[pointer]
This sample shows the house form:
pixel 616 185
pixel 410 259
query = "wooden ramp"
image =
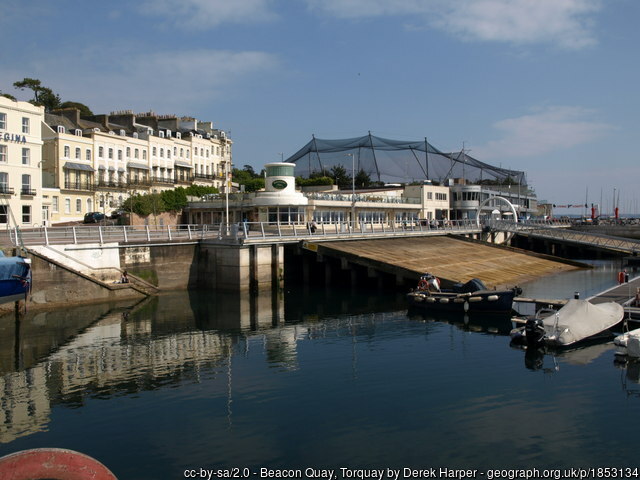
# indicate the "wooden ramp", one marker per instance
pixel 450 259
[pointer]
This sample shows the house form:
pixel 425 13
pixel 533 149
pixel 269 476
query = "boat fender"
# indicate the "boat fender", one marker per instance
pixel 475 299
pixel 418 298
pixel 458 300
pixel 444 300
pixel 492 298
pixel 466 306
pixel 58 463
pixel 430 299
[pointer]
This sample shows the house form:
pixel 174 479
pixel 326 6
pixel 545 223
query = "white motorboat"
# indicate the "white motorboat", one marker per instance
pixel 578 320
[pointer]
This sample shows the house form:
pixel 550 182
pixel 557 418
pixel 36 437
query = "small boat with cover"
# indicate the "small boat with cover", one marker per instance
pixel 576 321
pixel 15 278
pixel 470 297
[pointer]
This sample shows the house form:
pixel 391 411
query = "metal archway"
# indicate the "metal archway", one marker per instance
pixel 502 199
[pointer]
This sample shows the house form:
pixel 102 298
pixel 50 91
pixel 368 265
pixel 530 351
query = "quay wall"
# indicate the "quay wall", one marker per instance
pixel 217 267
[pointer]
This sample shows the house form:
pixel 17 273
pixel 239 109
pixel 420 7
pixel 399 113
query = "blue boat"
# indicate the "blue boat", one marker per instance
pixel 15 278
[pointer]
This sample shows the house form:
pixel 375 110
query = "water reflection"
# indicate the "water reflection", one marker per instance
pixel 121 349
pixel 301 377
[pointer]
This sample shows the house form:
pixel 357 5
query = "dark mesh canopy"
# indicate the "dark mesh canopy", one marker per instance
pixel 396 161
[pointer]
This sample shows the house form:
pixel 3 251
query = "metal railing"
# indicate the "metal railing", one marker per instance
pixel 547 231
pixel 236 233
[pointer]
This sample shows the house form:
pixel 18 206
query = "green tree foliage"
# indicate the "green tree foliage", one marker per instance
pixel 174 200
pixel 363 180
pixel 308 182
pixel 42 95
pixel 200 190
pixel 7 95
pixel 84 110
pixel 249 178
pixel 167 201
pixel 340 176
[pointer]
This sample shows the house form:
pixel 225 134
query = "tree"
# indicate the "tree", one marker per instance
pixel 7 95
pixel 42 96
pixel 363 179
pixel 340 176
pixel 84 110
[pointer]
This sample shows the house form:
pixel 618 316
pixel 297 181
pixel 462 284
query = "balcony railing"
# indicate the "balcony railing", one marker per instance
pixel 162 180
pixel 144 182
pixel 87 186
pixel 27 191
pixel 4 190
pixel 184 180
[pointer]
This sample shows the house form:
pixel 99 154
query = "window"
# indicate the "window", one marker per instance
pixel 429 195
pixel 78 206
pixel 3 121
pixel 26 214
pixel 3 154
pixel 88 156
pixel 55 203
pixel 128 152
pixel 182 152
pixel 67 205
pixel 119 154
pixel 25 125
pixel 4 214
pixel 168 153
pixel 144 154
pixel 154 152
pixel 26 156
pixel 111 153
pixel 4 181
pixel 67 151
pixel 136 153
pixel 78 153
pixel 26 184
pixel 161 152
pixel 175 151
pixel 100 152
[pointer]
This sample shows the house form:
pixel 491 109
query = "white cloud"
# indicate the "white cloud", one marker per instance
pixel 166 82
pixel 547 130
pixel 203 14
pixel 566 23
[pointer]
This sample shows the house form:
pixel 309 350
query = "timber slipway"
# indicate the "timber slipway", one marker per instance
pixel 455 251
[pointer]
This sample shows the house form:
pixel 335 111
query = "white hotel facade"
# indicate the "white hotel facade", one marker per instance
pixel 20 163
pixel 56 167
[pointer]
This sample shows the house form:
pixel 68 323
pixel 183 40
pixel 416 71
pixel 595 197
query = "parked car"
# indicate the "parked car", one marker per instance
pixel 117 213
pixel 93 217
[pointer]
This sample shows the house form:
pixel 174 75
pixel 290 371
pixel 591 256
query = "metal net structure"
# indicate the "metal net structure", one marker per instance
pixel 397 161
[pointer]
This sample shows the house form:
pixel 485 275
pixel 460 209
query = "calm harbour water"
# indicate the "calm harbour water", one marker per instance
pixel 311 378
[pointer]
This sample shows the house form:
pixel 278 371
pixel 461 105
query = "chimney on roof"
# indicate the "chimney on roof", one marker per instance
pixel 148 119
pixel 72 114
pixel 125 118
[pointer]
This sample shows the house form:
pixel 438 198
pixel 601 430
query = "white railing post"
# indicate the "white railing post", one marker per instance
pixel 148 233
pixel 169 231
pixel 189 231
pixel 262 229
pixel 100 235
pixel 46 236
pixel 75 236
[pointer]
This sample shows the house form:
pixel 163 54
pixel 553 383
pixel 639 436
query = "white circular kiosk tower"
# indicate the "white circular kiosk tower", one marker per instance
pixel 280 202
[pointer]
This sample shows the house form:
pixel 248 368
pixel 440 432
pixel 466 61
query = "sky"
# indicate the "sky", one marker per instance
pixel 549 87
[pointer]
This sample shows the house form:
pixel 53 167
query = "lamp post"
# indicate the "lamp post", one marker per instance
pixel 353 187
